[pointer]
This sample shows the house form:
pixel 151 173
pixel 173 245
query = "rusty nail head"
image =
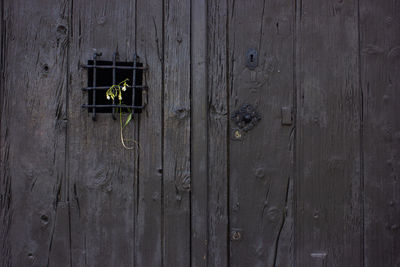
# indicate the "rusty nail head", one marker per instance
pixel 236 235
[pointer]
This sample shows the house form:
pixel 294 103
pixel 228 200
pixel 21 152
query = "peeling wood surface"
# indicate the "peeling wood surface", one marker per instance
pixel 314 183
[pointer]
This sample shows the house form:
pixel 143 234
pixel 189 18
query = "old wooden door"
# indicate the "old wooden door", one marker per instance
pixel 270 135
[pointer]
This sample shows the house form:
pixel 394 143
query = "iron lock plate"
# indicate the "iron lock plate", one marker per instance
pixel 246 117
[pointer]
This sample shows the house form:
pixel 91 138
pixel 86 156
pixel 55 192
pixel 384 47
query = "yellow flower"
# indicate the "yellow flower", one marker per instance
pixel 124 88
pixel 108 97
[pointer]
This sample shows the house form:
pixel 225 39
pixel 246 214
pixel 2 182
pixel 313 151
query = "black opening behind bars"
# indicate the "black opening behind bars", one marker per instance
pixel 103 74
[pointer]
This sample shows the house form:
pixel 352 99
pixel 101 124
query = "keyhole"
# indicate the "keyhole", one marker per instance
pixel 251 59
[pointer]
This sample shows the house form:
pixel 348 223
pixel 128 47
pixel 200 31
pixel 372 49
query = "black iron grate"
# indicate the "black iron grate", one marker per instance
pixel 103 74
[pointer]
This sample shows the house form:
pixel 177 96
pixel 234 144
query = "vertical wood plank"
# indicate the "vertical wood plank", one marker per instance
pixel 102 172
pixel 5 182
pixel 380 68
pixel 199 204
pixel 176 159
pixel 328 215
pixel 218 136
pixel 261 159
pixel 149 214
pixel 33 134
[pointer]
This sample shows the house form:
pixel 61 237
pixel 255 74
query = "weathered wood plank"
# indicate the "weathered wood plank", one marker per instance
pixel 102 172
pixel 199 148
pixel 176 154
pixel 149 214
pixel 33 133
pixel 261 159
pixel 328 215
pixel 218 136
pixel 5 181
pixel 380 68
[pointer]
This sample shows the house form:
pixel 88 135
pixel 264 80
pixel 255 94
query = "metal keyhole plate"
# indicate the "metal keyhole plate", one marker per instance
pixel 252 59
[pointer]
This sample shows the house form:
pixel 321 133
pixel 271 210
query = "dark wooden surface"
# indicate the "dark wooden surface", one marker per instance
pixel 199 130
pixel 260 161
pixel 328 171
pixel 149 43
pixel 102 175
pixel 315 183
pixel 380 83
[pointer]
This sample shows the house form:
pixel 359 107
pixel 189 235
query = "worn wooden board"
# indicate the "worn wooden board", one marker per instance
pixel 33 133
pixel 261 159
pixel 218 135
pixel 102 173
pixel 199 131
pixel 5 179
pixel 328 206
pixel 380 68
pixel 176 139
pixel 148 249
pixel 325 86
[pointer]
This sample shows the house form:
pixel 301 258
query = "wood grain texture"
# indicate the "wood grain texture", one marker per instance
pixel 199 149
pixel 5 181
pixel 380 68
pixel 261 160
pixel 149 211
pixel 218 137
pixel 315 183
pixel 102 173
pixel 328 207
pixel 176 153
pixel 33 133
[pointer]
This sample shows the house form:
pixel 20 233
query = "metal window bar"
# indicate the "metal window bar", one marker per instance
pixel 94 85
pixel 114 67
pixel 110 67
pixel 106 87
pixel 134 79
pixel 114 82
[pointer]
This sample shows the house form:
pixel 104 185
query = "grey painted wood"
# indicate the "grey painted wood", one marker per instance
pixel 149 211
pixel 328 206
pixel 33 133
pixel 218 137
pixel 199 145
pixel 102 173
pixel 380 68
pixel 176 139
pixel 261 159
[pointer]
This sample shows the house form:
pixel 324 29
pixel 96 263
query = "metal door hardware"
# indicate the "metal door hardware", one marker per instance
pixel 246 117
pixel 104 74
pixel 252 59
